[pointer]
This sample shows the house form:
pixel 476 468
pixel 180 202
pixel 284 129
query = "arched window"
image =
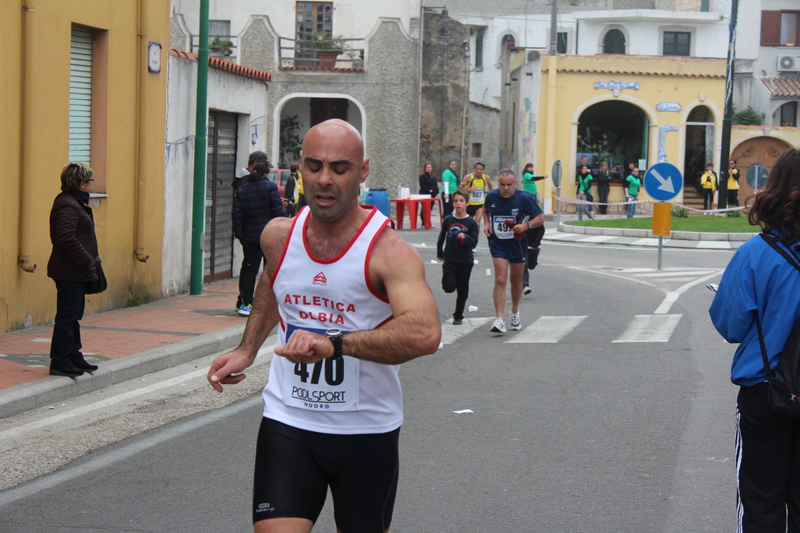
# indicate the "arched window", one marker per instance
pixel 614 42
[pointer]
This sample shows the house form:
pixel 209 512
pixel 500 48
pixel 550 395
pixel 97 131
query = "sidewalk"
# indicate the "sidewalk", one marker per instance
pixel 132 342
pixel 125 343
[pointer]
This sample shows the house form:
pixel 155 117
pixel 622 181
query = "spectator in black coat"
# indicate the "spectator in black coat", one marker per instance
pixel 73 263
pixel 257 201
pixel 427 185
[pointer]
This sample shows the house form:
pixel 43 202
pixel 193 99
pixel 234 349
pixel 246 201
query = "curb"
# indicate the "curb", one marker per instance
pixel 27 396
pixel 648 234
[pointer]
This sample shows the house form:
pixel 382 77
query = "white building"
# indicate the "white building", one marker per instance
pixel 768 60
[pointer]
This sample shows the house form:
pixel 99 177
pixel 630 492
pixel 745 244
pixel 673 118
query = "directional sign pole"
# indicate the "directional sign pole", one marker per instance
pixel 662 182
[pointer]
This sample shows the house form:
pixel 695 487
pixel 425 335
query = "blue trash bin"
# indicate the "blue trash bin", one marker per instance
pixel 380 199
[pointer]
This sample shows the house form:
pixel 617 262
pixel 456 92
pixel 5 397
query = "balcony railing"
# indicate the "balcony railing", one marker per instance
pixel 330 53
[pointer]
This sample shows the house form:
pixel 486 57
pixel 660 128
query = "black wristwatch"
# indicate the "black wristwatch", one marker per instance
pixel 336 336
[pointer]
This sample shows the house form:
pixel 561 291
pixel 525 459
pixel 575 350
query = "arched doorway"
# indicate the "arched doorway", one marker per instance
pixel 764 150
pixel 295 114
pixel 699 146
pixel 614 131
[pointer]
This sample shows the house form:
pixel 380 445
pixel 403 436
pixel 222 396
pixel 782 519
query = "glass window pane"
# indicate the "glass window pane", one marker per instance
pixel 299 17
pixel 328 8
pixel 319 17
pixel 789 29
pixel 327 18
pixel 309 17
pixel 328 28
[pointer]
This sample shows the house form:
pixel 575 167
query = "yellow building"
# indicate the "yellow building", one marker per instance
pixel 82 80
pixel 624 109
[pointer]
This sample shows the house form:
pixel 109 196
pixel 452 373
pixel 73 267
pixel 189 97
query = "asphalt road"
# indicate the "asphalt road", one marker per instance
pixel 606 429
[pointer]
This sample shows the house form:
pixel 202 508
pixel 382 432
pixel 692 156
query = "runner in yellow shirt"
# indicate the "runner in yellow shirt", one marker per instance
pixel 478 184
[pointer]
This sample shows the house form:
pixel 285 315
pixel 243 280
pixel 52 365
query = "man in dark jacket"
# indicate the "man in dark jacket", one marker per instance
pixel 73 263
pixel 257 201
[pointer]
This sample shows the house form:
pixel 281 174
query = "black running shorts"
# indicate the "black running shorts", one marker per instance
pixel 472 210
pixel 295 467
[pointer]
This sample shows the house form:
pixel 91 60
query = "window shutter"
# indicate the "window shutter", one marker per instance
pixel 80 96
pixel 770 28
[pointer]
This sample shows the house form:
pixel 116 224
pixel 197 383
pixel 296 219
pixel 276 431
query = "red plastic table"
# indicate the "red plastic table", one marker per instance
pixel 427 207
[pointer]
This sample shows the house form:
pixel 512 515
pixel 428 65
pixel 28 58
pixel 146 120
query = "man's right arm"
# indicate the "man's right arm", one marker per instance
pixel 226 369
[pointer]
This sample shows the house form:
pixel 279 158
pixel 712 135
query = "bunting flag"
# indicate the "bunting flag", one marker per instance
pixel 187 145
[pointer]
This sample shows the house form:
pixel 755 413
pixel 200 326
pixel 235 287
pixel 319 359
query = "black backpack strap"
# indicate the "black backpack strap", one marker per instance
pixel 790 257
pixel 767 369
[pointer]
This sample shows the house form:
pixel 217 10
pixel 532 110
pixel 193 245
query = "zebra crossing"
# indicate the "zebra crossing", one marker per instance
pixel 553 329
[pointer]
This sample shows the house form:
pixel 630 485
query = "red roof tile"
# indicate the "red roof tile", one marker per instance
pixel 221 64
pixel 782 87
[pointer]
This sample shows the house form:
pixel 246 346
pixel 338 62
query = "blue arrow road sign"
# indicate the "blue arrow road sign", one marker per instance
pixel 663 181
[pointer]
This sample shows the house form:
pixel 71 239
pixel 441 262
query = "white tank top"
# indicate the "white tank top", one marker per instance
pixel 348 396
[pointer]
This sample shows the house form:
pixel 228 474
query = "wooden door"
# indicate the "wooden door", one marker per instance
pixel 764 150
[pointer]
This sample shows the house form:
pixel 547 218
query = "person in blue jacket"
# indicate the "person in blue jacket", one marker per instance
pixel 758 279
pixel 257 201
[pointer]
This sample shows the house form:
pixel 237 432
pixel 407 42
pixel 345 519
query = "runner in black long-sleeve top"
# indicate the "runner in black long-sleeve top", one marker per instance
pixel 458 237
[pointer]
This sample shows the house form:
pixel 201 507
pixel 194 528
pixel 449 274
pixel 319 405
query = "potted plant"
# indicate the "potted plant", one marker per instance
pixel 218 46
pixel 327 48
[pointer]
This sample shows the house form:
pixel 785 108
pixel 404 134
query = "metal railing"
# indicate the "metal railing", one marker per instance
pixel 329 53
pixel 222 46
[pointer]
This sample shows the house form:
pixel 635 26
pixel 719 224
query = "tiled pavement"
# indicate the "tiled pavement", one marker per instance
pixel 24 354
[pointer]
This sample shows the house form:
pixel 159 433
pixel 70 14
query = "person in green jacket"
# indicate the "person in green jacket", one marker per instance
pixel 450 183
pixel 634 183
pixel 529 181
pixel 584 192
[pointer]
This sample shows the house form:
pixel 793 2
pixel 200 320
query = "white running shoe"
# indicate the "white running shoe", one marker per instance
pixel 515 322
pixel 499 325
pixel 526 290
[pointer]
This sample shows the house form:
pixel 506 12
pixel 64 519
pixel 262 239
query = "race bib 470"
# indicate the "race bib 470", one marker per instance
pixel 327 385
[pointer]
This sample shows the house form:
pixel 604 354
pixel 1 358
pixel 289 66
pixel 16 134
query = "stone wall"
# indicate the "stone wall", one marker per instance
pixel 386 89
pixel 445 94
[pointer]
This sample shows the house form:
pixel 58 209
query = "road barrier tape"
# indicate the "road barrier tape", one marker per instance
pixel 674 204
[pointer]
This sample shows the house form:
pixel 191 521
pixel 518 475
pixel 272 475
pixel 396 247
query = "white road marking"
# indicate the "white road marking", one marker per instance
pixel 80 411
pixel 672 297
pixel 547 329
pixel 647 242
pixel 650 328
pixel 451 333
pixel 597 238
pixel 718 245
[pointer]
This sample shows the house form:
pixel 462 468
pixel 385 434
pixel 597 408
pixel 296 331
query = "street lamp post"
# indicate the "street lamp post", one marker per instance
pixel 725 144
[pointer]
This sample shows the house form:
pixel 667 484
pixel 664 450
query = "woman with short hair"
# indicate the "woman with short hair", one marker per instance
pixel 73 263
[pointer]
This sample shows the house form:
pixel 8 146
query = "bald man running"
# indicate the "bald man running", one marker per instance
pixel 350 299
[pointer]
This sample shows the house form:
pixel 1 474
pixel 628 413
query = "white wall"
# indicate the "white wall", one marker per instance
pixel 351 18
pixel 532 31
pixel 226 92
pixel 646 38
pixel 709 39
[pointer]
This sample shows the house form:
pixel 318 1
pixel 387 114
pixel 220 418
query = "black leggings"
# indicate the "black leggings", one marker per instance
pixel 251 263
pixel 455 277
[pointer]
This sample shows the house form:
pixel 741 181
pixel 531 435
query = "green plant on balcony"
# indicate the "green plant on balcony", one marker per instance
pixel 218 46
pixel 322 42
